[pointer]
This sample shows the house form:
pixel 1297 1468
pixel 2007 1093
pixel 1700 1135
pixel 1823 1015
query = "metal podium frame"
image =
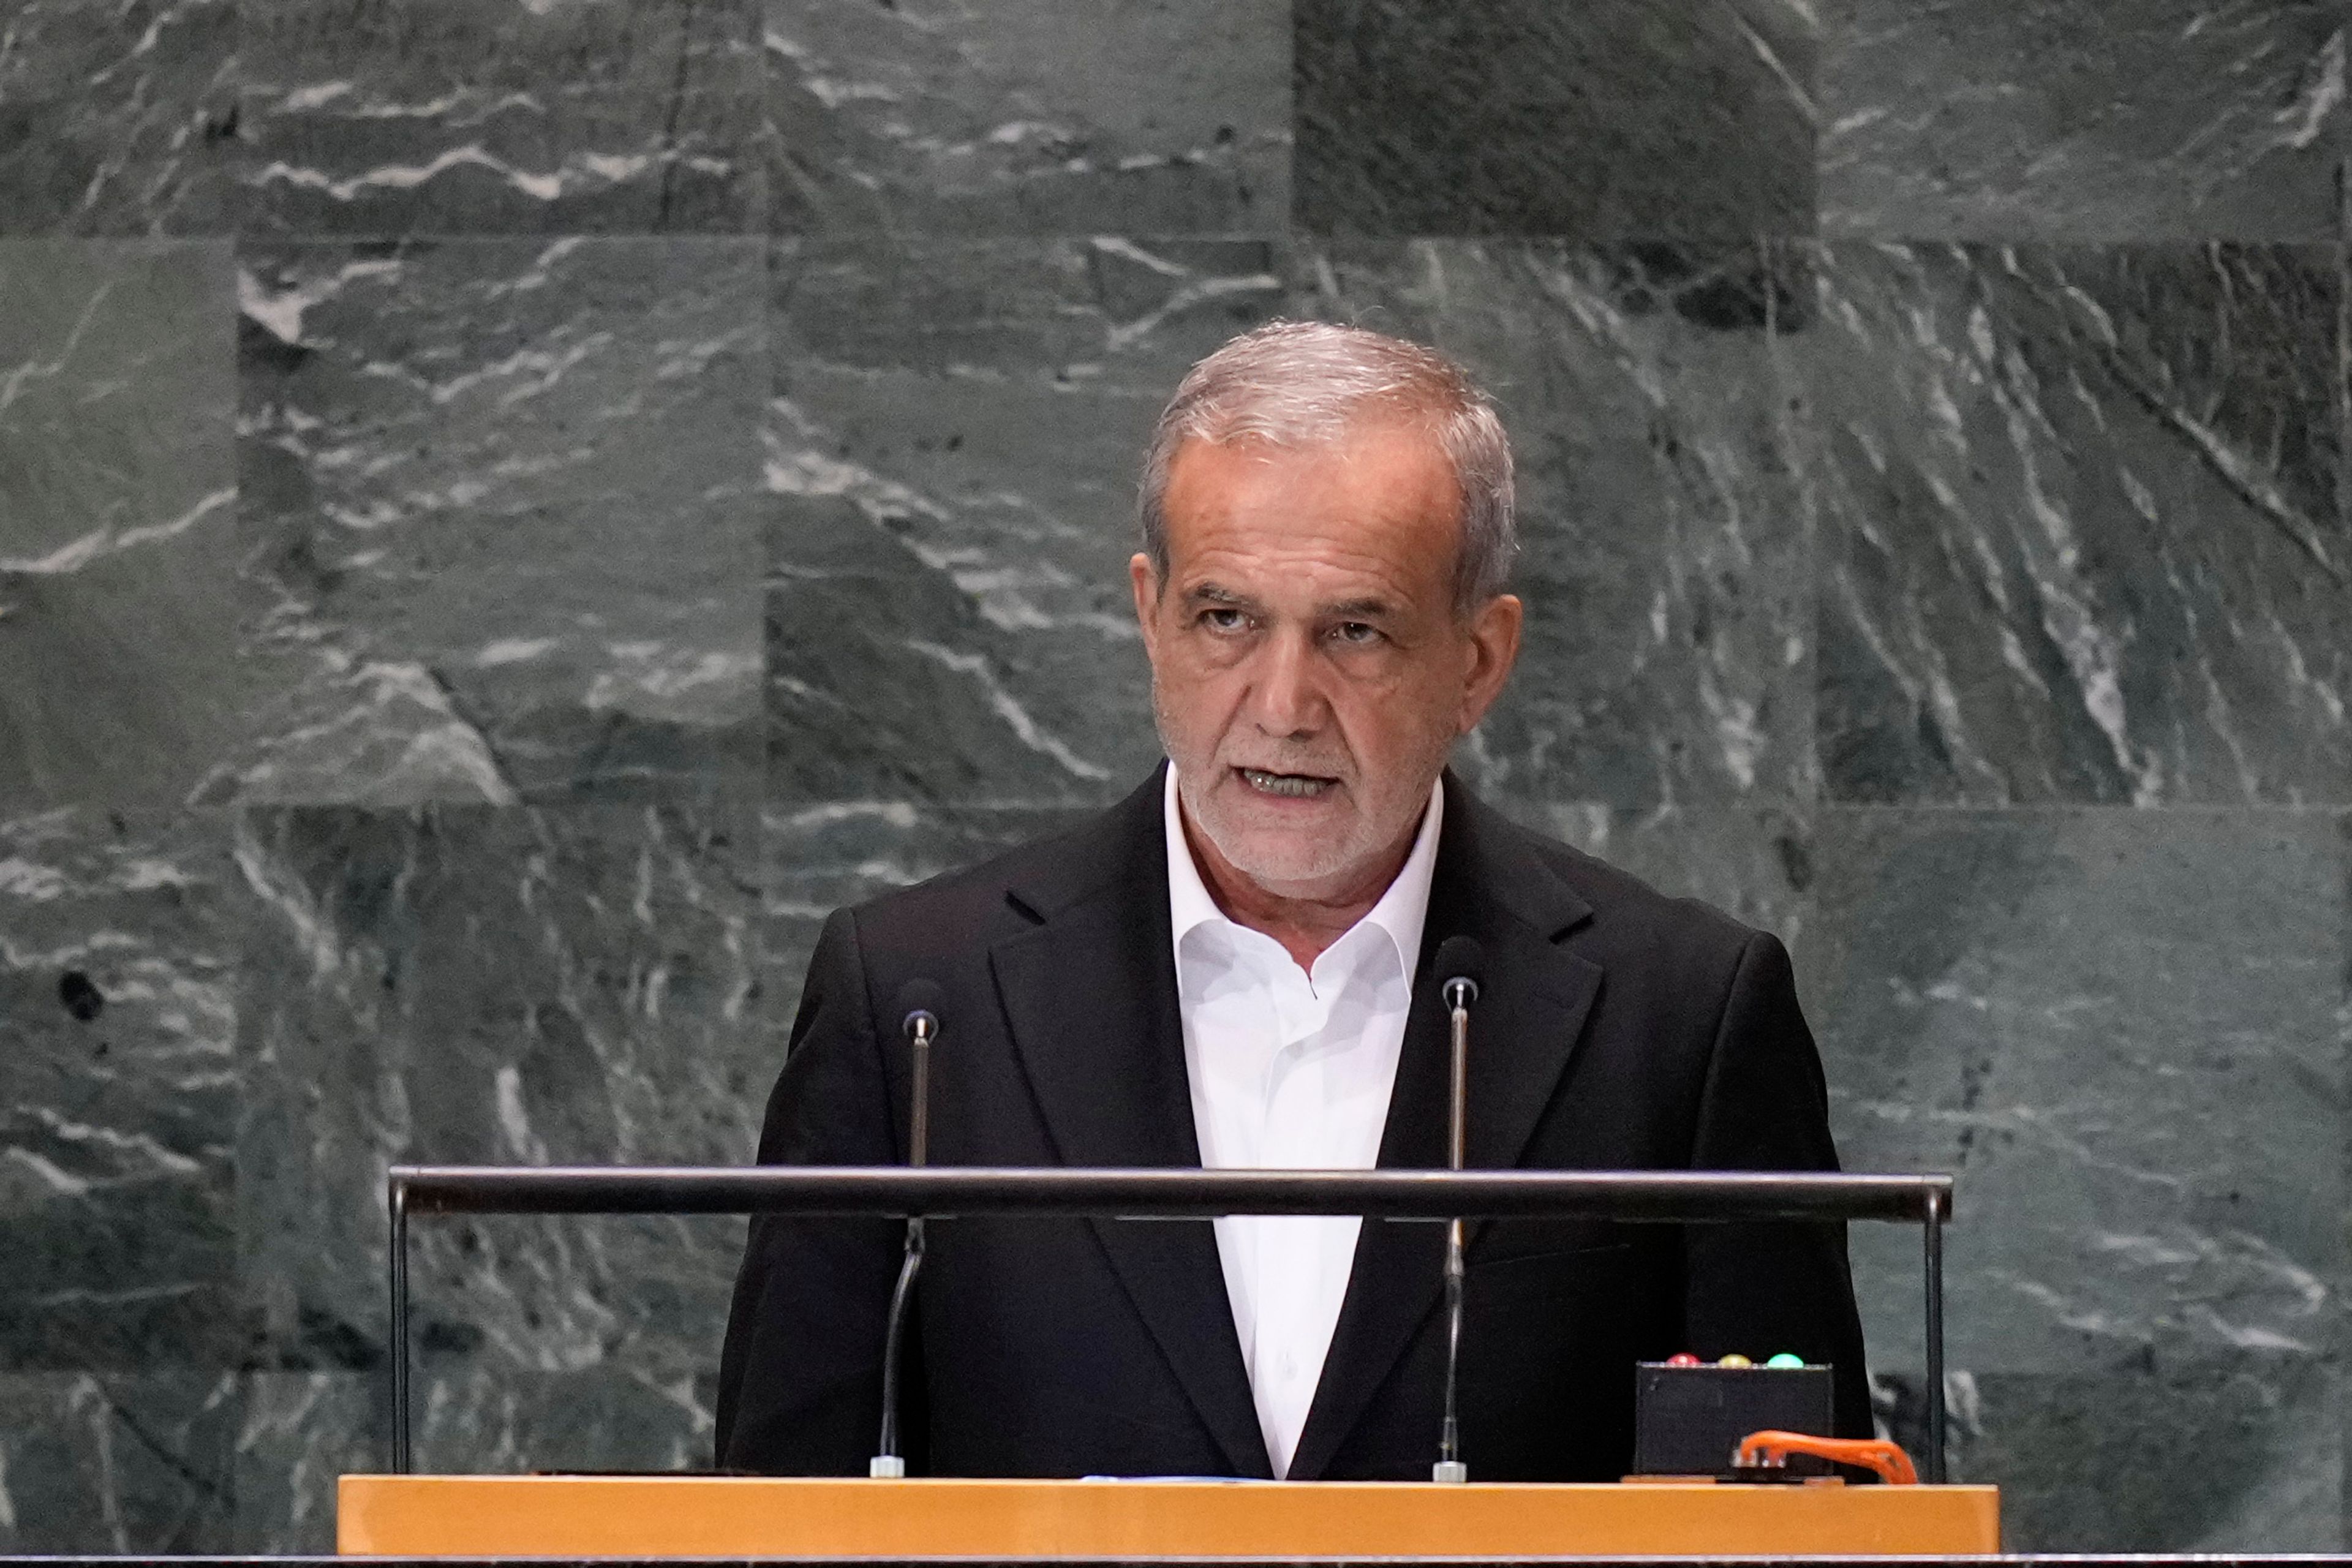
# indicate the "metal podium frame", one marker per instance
pixel 1168 1192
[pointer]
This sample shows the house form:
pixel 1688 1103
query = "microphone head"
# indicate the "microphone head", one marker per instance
pixel 1460 965
pixel 919 1005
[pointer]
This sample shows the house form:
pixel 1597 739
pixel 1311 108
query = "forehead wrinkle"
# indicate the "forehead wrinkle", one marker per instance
pixel 1359 522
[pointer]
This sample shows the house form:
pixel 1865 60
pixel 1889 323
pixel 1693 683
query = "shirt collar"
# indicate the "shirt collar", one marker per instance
pixel 1402 911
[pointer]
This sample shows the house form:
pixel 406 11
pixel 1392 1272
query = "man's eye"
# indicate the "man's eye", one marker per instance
pixel 1357 633
pixel 1224 620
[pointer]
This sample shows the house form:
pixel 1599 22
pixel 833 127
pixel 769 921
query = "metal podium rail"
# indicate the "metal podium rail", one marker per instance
pixel 1164 1192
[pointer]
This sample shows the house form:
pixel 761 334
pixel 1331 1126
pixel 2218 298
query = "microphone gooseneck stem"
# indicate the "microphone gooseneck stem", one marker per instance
pixel 888 1463
pixel 1450 1468
pixel 918 1117
pixel 1457 1103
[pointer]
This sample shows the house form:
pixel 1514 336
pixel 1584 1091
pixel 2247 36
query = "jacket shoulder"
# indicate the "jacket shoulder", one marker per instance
pixel 1627 908
pixel 1061 862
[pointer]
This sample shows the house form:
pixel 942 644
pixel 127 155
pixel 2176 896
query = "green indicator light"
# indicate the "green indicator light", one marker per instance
pixel 1785 1359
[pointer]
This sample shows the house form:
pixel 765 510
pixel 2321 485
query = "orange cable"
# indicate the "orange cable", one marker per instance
pixel 1893 1465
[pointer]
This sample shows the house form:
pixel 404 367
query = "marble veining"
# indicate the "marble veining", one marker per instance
pixel 2130 120
pixel 118 511
pixel 471 984
pixel 119 1462
pixel 298 1432
pixel 428 116
pixel 117 119
pixel 1756 864
pixel 497 502
pixel 2145 1121
pixel 2080 525
pixel 949 117
pixel 956 431
pixel 819 858
pixel 1663 566
pixel 1661 119
pixel 117 962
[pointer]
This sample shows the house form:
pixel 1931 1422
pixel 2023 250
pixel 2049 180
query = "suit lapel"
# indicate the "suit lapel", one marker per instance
pixel 1523 1030
pixel 1091 996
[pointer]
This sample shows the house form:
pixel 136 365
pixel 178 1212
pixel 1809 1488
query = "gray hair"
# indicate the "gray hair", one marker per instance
pixel 1305 384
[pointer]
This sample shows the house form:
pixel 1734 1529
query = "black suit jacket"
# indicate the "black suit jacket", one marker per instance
pixel 1617 1030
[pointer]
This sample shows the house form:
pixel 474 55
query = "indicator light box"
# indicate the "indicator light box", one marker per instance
pixel 1687 1419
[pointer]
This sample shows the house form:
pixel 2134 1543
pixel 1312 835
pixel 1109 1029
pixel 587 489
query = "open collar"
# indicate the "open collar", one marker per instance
pixel 1089 996
pixel 1400 913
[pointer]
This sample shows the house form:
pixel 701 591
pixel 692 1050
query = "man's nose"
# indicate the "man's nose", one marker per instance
pixel 1287 697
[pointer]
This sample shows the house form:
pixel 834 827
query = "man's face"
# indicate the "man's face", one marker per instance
pixel 1308 670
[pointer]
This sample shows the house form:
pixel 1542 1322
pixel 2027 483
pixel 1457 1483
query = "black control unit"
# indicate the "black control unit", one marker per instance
pixel 1688 1420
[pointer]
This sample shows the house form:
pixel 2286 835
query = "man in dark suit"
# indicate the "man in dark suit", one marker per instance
pixel 1232 967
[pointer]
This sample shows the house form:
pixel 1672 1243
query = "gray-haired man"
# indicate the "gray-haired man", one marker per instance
pixel 1231 968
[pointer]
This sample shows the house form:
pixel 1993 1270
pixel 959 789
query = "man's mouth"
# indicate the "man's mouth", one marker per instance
pixel 1289 785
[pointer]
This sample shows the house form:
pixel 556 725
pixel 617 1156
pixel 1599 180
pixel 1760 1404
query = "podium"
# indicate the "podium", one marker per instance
pixel 721 1518
pixel 714 1517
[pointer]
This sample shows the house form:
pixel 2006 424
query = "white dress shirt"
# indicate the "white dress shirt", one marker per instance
pixel 1290 1070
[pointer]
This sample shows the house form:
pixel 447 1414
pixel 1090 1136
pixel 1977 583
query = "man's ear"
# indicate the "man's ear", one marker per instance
pixel 1145 579
pixel 1494 649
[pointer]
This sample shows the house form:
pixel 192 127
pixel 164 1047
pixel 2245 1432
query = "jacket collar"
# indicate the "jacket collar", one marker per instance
pixel 1089 995
pixel 1492 885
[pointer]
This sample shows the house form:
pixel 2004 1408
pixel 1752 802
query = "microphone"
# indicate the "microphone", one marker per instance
pixel 1460 961
pixel 919 1002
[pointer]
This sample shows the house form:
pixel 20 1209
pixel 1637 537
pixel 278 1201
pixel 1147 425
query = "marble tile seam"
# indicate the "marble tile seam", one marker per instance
pixel 1824 234
pixel 2118 810
pixel 945 237
pixel 814 810
pixel 274 237
pixel 1809 243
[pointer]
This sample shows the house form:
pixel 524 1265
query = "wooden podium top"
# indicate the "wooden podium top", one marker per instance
pixel 725 1516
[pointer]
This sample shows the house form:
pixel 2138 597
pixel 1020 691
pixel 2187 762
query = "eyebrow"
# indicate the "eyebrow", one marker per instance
pixel 1217 594
pixel 1365 608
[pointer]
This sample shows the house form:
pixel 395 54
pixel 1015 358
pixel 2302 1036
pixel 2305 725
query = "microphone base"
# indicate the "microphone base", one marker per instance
pixel 886 1467
pixel 1445 1472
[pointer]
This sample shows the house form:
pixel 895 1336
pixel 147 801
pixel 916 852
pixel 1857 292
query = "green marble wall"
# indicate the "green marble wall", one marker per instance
pixel 509 513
